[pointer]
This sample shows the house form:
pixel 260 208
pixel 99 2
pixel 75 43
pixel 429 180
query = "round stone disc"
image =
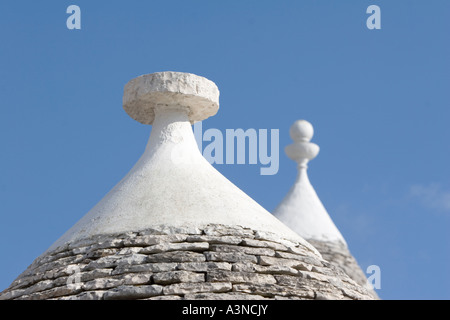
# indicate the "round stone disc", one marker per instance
pixel 198 95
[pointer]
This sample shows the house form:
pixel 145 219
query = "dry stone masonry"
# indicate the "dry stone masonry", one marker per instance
pixel 216 263
pixel 338 254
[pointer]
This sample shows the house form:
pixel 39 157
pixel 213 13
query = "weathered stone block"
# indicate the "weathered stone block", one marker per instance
pixel 148 267
pixel 276 269
pixel 243 267
pixel 229 257
pixel 328 296
pixel 239 277
pixel 102 263
pixel 102 283
pixel 133 292
pixel 271 291
pixel 177 256
pixel 298 250
pixel 203 266
pixel 129 251
pixel 186 288
pixel 220 230
pixel 52 293
pixel 40 286
pixel 81 250
pixel 246 250
pixel 223 296
pixel 167 247
pixel 57 256
pixel 263 244
pixel 99 253
pixel 135 278
pixel 89 295
pixel 12 294
pixel 178 276
pixel 280 262
pixel 109 243
pixel 165 298
pixel 354 294
pixel 306 259
pixel 152 239
pixel 58 264
pixel 313 276
pixel 135 258
pixel 168 230
pixel 215 239
pixel 289 281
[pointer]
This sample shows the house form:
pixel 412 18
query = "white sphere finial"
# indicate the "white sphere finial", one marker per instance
pixel 302 150
pixel 301 131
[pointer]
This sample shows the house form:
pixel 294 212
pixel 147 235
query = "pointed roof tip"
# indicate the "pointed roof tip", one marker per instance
pixel 172 184
pixel 301 209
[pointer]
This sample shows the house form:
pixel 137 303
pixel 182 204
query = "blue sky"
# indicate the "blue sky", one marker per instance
pixel 378 99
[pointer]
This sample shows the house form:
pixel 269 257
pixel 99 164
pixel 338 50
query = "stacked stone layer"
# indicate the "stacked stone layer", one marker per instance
pixel 338 254
pixel 217 262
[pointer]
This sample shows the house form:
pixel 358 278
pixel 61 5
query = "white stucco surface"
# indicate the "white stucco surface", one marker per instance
pixel 172 184
pixel 301 209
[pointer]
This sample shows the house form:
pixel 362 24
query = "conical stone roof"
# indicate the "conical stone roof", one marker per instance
pixel 303 211
pixel 175 228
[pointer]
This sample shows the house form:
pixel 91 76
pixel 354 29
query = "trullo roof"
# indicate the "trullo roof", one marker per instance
pixel 175 228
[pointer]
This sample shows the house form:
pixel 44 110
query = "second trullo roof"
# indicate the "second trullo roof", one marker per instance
pixel 303 211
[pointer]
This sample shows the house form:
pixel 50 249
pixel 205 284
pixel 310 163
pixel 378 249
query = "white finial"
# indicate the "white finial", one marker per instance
pixel 171 102
pixel 198 97
pixel 302 150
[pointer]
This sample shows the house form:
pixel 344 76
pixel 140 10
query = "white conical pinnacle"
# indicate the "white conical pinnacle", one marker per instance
pixel 301 209
pixel 172 184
